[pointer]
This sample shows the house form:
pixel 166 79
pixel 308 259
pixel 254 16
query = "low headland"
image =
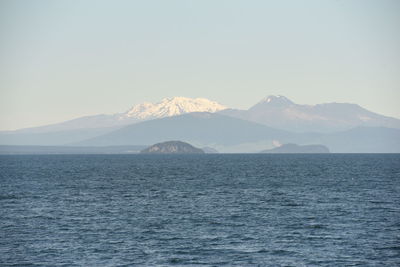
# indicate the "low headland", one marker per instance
pixel 294 148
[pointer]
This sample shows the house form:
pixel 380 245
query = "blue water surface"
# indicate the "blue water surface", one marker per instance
pixel 200 210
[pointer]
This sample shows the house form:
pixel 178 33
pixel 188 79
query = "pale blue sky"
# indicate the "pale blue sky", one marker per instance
pixel 64 59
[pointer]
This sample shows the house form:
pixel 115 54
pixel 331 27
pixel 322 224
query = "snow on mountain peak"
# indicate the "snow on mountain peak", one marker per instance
pixel 279 98
pixel 276 101
pixel 172 106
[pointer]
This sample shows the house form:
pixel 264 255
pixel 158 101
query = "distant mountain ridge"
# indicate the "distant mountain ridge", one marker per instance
pixel 275 119
pixel 280 112
pixel 274 111
pixel 195 128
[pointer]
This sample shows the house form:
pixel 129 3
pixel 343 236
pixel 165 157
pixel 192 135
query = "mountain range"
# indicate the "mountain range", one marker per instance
pixel 167 107
pixel 280 112
pixel 275 120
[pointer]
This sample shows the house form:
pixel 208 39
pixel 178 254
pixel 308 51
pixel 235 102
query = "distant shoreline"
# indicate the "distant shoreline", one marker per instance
pixel 122 150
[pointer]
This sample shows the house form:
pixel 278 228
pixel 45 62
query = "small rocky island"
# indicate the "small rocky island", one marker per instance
pixel 294 148
pixel 172 147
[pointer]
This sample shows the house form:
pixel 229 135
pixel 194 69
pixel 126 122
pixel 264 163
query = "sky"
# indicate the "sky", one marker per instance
pixel 61 60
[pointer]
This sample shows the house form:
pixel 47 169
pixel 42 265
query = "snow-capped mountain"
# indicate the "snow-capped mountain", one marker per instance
pixel 171 107
pixel 167 107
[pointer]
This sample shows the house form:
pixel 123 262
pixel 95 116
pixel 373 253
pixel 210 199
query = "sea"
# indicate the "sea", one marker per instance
pixel 200 210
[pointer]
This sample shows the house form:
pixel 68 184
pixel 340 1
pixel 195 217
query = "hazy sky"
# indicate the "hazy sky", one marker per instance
pixel 64 59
